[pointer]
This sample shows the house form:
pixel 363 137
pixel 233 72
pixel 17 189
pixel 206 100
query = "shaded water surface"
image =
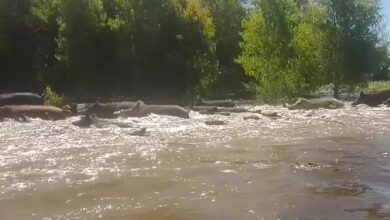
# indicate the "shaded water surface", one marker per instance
pixel 324 164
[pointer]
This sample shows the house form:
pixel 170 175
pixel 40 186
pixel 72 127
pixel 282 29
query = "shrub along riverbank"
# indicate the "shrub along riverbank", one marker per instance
pixel 52 98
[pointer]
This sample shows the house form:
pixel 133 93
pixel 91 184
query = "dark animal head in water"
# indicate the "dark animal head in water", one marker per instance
pixel 68 110
pixel 93 108
pixel 362 99
pixel 140 132
pixel 132 112
pixel 100 110
pixel 374 98
pixel 67 113
pixel 85 121
pixel 72 107
pixel 299 104
pixel 387 102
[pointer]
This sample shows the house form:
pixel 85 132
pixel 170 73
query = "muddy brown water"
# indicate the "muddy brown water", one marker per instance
pixel 317 164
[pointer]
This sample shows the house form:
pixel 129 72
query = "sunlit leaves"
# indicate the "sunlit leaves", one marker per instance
pixel 292 47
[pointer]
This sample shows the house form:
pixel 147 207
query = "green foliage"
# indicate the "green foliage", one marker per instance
pixel 52 98
pixel 351 28
pixel 382 59
pixel 201 67
pixel 282 48
pixel 143 47
pixel 227 16
pixel 374 86
pixel 309 43
pixel 17 45
pixel 44 24
pixel 190 48
pixel 294 47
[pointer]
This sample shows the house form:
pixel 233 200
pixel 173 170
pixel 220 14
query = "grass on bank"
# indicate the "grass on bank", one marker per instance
pixel 375 86
pixel 52 98
pixel 370 86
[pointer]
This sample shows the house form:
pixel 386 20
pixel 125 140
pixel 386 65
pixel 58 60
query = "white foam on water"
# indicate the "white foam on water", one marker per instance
pixel 45 155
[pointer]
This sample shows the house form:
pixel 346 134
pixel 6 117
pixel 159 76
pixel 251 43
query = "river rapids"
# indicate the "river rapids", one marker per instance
pixel 306 164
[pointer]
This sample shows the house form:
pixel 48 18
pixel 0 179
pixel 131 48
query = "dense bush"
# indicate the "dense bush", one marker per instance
pixel 52 98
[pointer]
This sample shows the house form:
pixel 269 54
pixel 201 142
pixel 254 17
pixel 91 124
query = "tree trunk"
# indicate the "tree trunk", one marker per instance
pixel 336 85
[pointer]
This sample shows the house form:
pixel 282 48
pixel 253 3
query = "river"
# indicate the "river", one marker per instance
pixel 315 164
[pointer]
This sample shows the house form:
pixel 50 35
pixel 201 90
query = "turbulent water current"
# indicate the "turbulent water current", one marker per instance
pixel 314 164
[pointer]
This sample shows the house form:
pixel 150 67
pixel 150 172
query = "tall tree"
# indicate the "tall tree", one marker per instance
pixel 292 47
pixel 79 42
pixel 352 36
pixel 44 24
pixel 144 46
pixel 17 46
pixel 282 47
pixel 227 18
